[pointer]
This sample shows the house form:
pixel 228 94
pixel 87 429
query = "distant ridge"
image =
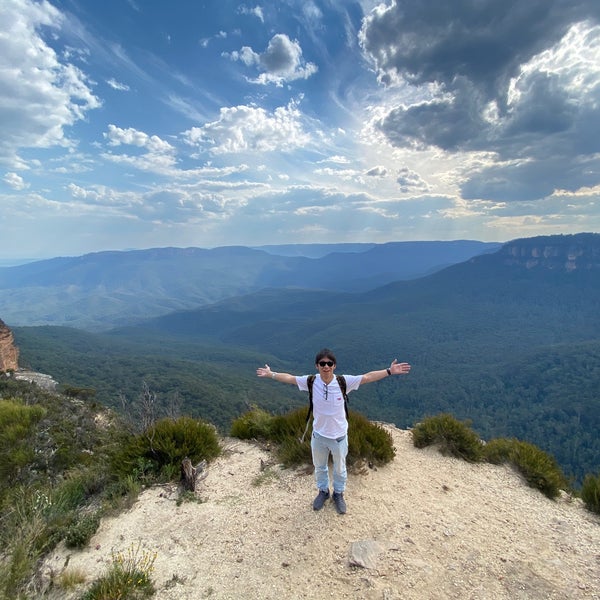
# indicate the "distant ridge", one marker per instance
pixel 102 290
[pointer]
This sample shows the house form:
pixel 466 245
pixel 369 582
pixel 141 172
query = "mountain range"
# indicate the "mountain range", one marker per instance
pixel 106 289
pixel 507 339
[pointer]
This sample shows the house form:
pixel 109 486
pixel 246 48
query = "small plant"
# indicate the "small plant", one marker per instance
pixel 71 578
pixel 187 496
pixel 127 577
pixel 157 453
pixel 366 440
pixel 254 424
pixel 453 437
pixel 79 533
pixel 539 469
pixel 264 477
pixel 590 493
pixel 499 451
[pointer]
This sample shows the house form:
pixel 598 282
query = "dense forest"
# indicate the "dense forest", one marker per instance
pixel 514 350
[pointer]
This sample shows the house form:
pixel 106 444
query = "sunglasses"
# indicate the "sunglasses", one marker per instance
pixel 326 363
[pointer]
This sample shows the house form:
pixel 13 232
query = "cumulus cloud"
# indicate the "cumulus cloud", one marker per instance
pixel 159 156
pixel 281 62
pixel 40 96
pixel 249 128
pixel 520 80
pixel 15 181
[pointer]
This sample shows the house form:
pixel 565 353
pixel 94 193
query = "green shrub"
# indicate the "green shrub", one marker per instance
pixel 254 424
pixel 590 493
pixel 78 534
pixel 369 441
pixel 499 451
pixel 453 437
pixel 539 469
pixel 366 441
pixel 158 452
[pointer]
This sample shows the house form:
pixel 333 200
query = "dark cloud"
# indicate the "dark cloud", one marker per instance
pixel 484 41
pixel 469 56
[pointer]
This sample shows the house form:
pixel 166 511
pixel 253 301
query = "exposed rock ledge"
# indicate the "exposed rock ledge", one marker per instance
pixel 9 353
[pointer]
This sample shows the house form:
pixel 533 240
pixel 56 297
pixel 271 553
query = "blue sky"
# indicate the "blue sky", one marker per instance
pixel 145 123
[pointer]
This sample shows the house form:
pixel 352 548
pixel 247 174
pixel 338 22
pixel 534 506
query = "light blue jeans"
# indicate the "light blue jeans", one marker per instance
pixel 321 448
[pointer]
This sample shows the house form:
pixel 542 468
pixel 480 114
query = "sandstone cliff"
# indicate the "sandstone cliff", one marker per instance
pixel 9 353
pixel 558 253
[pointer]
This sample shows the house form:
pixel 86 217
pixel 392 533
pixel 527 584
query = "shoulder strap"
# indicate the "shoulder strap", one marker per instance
pixel 310 381
pixel 341 382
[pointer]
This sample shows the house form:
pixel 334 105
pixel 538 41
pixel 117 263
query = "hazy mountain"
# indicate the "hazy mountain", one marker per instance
pixel 107 289
pixel 510 340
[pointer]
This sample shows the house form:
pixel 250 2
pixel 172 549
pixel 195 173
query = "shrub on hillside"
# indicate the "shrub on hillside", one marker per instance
pixel 366 441
pixel 590 493
pixel 539 469
pixel 499 451
pixel 453 437
pixel 157 453
pixel 17 427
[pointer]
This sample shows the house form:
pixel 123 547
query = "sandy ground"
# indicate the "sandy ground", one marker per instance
pixel 437 527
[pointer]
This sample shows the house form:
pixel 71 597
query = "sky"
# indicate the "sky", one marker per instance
pixel 145 123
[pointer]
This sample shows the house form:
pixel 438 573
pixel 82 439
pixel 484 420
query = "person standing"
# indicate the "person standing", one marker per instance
pixel 330 425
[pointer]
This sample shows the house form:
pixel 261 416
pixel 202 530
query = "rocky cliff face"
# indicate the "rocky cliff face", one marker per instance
pixel 9 353
pixel 557 252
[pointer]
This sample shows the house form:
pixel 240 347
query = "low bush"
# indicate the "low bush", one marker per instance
pixel 366 441
pixel 453 437
pixel 539 469
pixel 78 534
pixel 499 451
pixel 254 424
pixel 157 453
pixel 590 493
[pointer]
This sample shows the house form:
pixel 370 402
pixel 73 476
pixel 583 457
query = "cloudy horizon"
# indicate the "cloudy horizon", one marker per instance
pixel 146 124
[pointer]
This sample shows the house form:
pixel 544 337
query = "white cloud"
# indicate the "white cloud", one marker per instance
pixel 15 181
pixel 257 12
pixel 39 95
pixel 117 136
pixel 159 155
pixel 115 85
pixel 249 128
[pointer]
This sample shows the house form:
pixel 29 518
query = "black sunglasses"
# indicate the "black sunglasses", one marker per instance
pixel 328 363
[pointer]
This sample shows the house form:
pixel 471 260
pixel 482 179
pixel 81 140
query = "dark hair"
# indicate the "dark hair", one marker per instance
pixel 325 353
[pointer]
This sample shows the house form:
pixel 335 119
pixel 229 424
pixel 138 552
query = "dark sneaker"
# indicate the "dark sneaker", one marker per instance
pixel 340 504
pixel 320 500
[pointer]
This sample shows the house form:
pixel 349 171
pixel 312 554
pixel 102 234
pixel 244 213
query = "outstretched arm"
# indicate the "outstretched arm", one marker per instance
pixel 395 368
pixel 281 377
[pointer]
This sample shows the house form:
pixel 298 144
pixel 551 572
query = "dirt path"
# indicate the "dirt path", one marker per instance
pixel 437 528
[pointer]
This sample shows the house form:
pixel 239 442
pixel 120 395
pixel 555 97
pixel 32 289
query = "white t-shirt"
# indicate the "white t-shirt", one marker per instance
pixel 328 404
